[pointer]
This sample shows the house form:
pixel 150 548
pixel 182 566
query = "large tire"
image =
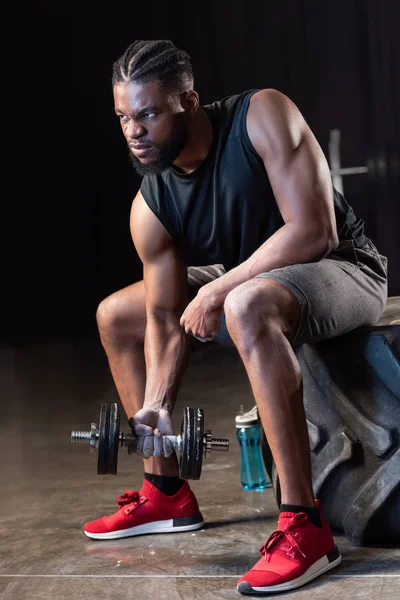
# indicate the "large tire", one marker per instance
pixel 352 405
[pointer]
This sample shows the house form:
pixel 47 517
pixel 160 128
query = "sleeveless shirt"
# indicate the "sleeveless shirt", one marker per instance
pixel 226 208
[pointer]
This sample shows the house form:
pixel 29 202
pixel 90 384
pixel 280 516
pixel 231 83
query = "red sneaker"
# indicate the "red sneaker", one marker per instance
pixel 148 511
pixel 293 555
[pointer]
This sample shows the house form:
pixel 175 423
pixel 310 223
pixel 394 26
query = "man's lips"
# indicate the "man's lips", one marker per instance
pixel 141 149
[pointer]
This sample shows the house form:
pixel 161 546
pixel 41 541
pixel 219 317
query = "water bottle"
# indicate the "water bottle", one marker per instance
pixel 253 476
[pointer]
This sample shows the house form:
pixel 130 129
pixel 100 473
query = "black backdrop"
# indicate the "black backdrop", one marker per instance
pixel 337 59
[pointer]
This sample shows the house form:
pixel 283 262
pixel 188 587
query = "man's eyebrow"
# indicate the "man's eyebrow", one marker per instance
pixel 149 108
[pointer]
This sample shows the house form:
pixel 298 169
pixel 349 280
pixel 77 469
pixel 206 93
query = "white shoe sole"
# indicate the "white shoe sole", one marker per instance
pixel 327 562
pixel 167 526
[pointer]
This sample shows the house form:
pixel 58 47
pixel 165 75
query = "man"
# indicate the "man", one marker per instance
pixel 244 181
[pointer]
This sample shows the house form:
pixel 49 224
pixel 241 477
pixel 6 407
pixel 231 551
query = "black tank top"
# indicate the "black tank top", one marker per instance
pixel 226 208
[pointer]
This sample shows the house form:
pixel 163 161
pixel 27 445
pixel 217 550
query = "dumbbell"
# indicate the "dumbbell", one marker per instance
pixel 193 443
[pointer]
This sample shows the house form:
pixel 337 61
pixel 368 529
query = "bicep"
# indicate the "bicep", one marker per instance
pixel 164 269
pixel 295 163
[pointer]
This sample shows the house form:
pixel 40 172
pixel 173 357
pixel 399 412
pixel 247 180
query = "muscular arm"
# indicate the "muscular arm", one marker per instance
pixel 166 345
pixel 300 179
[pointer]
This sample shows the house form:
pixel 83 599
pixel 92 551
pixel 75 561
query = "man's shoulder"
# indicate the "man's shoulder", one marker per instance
pixel 227 103
pixel 152 183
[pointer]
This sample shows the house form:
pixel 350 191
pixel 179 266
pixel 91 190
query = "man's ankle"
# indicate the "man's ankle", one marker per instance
pixel 165 484
pixel 312 512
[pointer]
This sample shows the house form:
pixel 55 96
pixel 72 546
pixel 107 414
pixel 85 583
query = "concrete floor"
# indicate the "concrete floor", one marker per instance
pixel 50 488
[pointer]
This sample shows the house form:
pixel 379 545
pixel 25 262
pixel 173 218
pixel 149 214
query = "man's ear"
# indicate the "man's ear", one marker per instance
pixel 190 101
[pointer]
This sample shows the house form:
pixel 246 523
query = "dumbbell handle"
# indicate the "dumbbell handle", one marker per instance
pixel 126 439
pixel 130 439
pixel 209 443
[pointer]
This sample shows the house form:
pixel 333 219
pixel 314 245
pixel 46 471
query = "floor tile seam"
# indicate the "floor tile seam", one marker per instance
pixel 55 576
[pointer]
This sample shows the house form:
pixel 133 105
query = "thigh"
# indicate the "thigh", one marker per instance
pixel 344 291
pixel 130 301
pixel 197 277
pixel 125 310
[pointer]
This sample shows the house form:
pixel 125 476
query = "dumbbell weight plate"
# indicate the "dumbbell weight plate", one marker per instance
pixel 107 459
pixel 113 438
pixel 192 434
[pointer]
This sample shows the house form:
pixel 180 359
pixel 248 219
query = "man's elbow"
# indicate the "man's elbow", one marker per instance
pixel 333 240
pixel 321 241
pixel 329 241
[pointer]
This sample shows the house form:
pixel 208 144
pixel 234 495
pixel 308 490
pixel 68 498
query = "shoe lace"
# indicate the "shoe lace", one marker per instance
pixel 128 497
pixel 287 533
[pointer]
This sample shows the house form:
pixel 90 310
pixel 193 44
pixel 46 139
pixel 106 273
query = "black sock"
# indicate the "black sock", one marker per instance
pixel 166 485
pixel 312 512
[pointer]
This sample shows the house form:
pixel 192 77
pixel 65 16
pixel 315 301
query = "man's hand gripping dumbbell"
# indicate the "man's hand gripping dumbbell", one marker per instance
pixel 152 428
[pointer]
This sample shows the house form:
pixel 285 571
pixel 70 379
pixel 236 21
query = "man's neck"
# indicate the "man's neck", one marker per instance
pixel 197 145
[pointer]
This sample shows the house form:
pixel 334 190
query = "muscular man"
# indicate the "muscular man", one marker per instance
pixel 245 181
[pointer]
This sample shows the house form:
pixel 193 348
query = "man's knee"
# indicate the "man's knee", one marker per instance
pixel 260 305
pixel 109 313
pixel 122 315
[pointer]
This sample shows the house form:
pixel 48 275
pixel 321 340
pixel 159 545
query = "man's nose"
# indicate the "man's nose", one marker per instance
pixel 135 130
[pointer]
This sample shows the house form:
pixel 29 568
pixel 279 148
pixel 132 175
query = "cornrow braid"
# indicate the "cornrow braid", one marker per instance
pixel 161 60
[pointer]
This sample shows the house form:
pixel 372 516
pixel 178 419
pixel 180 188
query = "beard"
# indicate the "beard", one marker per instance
pixel 168 153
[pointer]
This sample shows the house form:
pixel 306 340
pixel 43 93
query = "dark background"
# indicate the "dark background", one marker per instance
pixel 338 60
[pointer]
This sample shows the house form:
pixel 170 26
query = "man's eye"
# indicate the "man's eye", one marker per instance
pixel 122 117
pixel 150 115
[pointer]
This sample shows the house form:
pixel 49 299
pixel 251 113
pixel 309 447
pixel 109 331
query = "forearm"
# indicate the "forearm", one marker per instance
pixel 166 348
pixel 289 245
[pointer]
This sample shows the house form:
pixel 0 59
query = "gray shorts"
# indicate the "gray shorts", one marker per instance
pixel 345 290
